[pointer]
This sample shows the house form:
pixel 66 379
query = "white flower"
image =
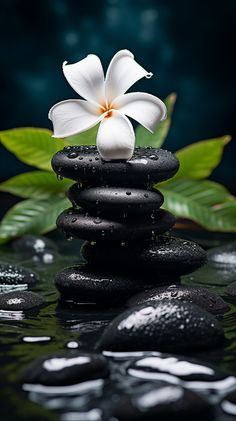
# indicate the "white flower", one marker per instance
pixel 105 102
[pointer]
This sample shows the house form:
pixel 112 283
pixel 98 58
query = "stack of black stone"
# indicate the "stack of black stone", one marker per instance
pixel 117 211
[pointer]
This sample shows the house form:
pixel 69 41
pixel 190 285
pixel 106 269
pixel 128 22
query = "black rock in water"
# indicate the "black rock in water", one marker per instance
pixel 166 255
pixel 224 255
pixel 20 301
pixel 30 245
pixel 84 284
pixel 165 402
pixel 167 326
pixel 16 275
pixel 68 368
pixel 228 404
pixel 152 367
pixel 204 298
pixel 116 200
pixel 83 163
pixel 77 223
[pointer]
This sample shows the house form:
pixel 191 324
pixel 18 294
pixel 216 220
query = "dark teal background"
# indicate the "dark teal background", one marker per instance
pixel 188 45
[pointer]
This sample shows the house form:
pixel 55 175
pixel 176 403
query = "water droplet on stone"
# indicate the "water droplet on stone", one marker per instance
pixel 128 193
pixel 72 155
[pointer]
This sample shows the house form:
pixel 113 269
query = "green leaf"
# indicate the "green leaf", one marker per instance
pixel 36 184
pixel 207 203
pixel 33 146
pixel 31 217
pixel 156 139
pixel 198 160
pixel 85 138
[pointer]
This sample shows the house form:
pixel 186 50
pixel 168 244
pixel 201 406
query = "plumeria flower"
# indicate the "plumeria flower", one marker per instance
pixel 105 102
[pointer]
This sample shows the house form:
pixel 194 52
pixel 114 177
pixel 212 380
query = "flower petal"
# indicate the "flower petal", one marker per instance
pixel 147 109
pixel 123 72
pixel 115 138
pixel 86 77
pixel 73 116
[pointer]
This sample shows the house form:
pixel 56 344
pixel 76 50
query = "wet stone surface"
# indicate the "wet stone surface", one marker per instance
pixel 165 254
pixel 224 255
pixel 20 301
pixel 169 402
pixel 204 298
pixel 85 284
pixel 228 404
pixel 68 368
pixel 116 200
pixel 78 223
pixel 12 275
pixel 152 367
pixel 148 165
pixel 166 326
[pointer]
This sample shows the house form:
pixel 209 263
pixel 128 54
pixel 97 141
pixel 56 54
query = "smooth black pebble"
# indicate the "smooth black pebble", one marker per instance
pixel 116 200
pixel 20 301
pixel 203 297
pixel 152 367
pixel 166 402
pixel 83 163
pixel 71 367
pixel 166 255
pixel 37 248
pixel 224 255
pixel 78 223
pixel 16 275
pixel 167 326
pixel 228 404
pixel 84 284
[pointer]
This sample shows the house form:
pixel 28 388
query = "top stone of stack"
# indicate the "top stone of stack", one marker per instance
pixel 84 163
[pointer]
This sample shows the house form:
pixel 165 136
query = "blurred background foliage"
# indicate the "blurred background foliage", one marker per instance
pixel 188 45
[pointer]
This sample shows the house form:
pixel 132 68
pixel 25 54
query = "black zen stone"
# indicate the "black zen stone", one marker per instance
pixel 68 368
pixel 30 245
pixel 16 275
pixel 166 254
pixel 89 285
pixel 228 404
pixel 83 163
pixel 20 301
pixel 116 200
pixel 152 367
pixel 204 298
pixel 37 248
pixel 77 223
pixel 167 326
pixel 224 255
pixel 162 402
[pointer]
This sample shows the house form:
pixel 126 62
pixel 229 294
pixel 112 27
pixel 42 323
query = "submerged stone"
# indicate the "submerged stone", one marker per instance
pixel 224 255
pixel 68 368
pixel 78 223
pixel 206 299
pixel 116 200
pixel 148 165
pixel 166 326
pixel 165 254
pixel 152 367
pixel 164 402
pixel 228 404
pixel 16 275
pixel 30 245
pixel 86 284
pixel 20 301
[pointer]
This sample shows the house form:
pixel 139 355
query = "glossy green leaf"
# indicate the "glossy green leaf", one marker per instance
pixel 207 203
pixel 33 146
pixel 31 217
pixel 197 161
pixel 85 138
pixel 156 139
pixel 36 184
